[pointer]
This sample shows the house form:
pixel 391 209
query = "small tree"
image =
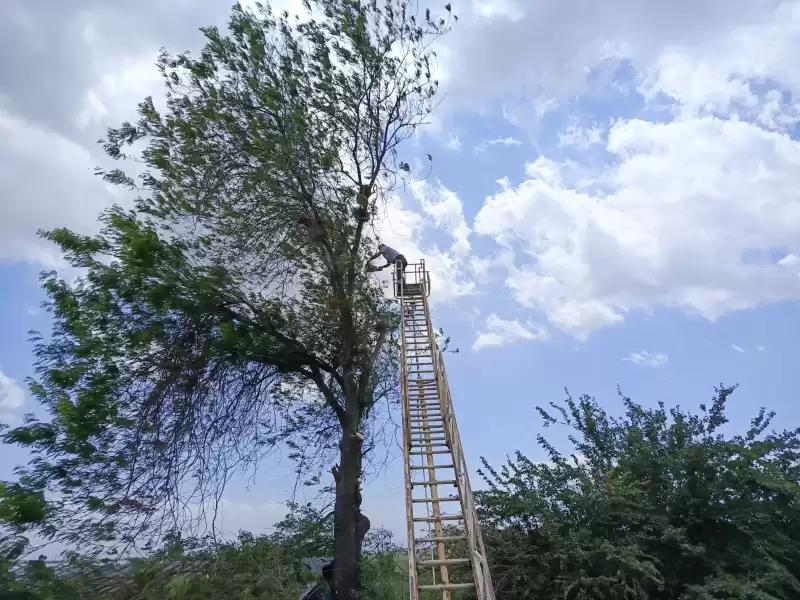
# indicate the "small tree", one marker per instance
pixel 654 505
pixel 230 312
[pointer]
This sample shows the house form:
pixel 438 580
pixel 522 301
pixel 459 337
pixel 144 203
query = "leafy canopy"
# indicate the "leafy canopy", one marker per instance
pixel 656 504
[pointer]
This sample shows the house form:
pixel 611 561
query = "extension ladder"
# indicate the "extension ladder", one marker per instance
pixel 446 554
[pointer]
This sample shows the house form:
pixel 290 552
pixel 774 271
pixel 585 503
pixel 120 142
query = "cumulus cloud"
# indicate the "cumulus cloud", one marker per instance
pixel 447 211
pixel 47 181
pixel 647 359
pixel 541 51
pixel 687 201
pixel 500 332
pixel 67 72
pixel 12 399
pixel 402 226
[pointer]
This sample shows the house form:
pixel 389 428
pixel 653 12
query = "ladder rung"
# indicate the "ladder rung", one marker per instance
pixel 418 468
pixel 435 482
pixel 431 452
pixel 446 586
pixel 439 518
pixel 441 538
pixel 443 561
pixel 432 500
pixel 432 445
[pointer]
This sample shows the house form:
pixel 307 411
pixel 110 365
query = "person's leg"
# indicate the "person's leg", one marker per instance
pixel 403 265
pixel 398 276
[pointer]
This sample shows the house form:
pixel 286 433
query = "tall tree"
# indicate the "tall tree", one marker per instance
pixel 230 312
pixel 656 504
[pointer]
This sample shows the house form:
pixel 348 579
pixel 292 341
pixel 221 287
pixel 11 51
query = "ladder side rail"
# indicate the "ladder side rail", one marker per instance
pixel 432 349
pixel 412 551
pixel 480 567
pixel 433 346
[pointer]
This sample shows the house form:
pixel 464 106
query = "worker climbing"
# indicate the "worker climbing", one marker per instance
pixel 393 257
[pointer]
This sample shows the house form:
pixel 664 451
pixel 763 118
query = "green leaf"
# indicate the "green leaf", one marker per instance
pixel 178 587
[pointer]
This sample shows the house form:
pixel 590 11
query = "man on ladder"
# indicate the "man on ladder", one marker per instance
pixel 393 257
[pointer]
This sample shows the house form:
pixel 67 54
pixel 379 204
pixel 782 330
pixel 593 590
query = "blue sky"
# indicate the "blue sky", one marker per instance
pixel 613 202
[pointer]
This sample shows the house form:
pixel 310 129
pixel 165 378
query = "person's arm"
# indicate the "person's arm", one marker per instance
pixel 374 256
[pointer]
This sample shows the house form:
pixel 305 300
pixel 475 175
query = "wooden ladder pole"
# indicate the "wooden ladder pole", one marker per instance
pixel 434 489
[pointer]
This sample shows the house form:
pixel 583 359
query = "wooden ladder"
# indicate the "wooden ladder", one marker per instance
pixel 446 555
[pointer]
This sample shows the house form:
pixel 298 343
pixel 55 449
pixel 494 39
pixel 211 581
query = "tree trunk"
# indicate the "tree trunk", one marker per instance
pixel 350 526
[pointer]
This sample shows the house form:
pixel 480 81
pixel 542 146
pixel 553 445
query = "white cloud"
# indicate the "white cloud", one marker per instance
pixel 405 230
pixel 790 260
pixel 736 348
pixel 760 348
pixel 581 138
pixel 453 143
pixel 647 359
pixel 48 181
pixel 506 141
pixel 720 74
pixel 447 212
pixel 118 90
pixel 12 398
pixel 500 332
pixel 541 52
pixel 686 200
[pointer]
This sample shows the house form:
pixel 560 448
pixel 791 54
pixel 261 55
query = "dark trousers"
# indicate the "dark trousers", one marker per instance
pixel 400 272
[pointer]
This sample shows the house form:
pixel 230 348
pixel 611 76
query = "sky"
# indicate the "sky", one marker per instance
pixel 614 201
